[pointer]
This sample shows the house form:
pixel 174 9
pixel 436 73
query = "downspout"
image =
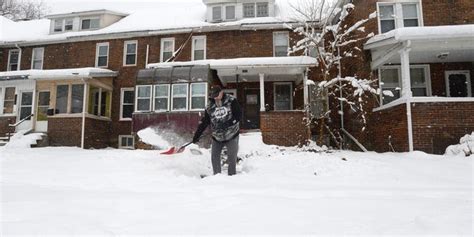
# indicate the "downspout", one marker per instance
pixel 19 57
pixel 147 53
pixel 406 90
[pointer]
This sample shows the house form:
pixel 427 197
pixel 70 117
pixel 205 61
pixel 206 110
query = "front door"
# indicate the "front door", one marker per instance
pixel 41 111
pixel 25 109
pixel 251 109
pixel 458 84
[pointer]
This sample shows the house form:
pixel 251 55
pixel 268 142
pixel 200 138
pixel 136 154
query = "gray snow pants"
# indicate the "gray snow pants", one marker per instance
pixel 232 149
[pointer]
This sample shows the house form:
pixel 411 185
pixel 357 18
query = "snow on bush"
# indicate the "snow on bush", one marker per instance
pixel 465 146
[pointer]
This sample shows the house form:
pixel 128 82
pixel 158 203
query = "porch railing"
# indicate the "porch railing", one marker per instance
pixel 18 123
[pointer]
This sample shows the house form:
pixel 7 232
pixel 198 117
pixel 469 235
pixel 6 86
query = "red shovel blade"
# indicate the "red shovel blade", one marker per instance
pixel 170 151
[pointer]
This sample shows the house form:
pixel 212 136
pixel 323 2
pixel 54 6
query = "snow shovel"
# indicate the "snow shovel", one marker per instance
pixel 173 149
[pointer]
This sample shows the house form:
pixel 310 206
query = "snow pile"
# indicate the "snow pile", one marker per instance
pixel 465 146
pixel 151 136
pixel 20 140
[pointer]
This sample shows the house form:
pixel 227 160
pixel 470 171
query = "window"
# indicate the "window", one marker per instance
pixel 280 44
pixel 230 12
pixel 68 24
pixel 43 105
pixel 143 98
pixel 102 55
pixel 283 96
pixel 9 100
pixel 249 10
pixel 262 9
pixel 77 98
pixel 458 83
pixel 162 93
pixel 26 105
pixel 126 103
pixel 199 48
pixel 216 13
pixel 179 96
pixel 99 102
pixel 62 92
pixel 37 58
pixel 400 14
pixel 198 96
pixel 58 25
pixel 126 142
pixel 90 24
pixel 391 80
pixel 167 49
pixel 130 53
pixel 13 60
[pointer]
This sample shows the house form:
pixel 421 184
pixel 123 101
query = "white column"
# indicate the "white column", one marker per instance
pixel 406 89
pixel 305 89
pixel 262 92
pixel 84 105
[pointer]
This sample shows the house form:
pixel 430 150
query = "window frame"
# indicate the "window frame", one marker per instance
pixel 225 12
pixel 193 46
pixel 90 23
pixel 398 12
pixel 254 10
pixel 122 93
pixel 55 24
pixel 469 82
pixel 220 13
pixel 274 45
pixel 97 50
pixel 163 40
pixel 203 95
pixel 18 63
pixel 3 92
pixel 167 98
pixel 126 137
pixel 173 96
pixel 65 24
pixel 274 93
pixel 125 54
pixel 149 98
pixel 33 54
pixel 69 97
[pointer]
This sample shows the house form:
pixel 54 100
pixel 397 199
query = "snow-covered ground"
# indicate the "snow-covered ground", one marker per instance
pixel 66 191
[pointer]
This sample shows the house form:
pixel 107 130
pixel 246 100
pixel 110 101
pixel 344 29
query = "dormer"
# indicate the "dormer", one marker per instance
pixel 232 10
pixel 82 21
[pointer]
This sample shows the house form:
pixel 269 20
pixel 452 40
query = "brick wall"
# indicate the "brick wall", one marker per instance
pixel 67 132
pixel 438 77
pixel 97 133
pixel 438 125
pixel 388 125
pixel 286 128
pixel 4 128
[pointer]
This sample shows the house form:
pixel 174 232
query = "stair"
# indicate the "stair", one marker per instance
pixel 4 140
pixel 42 141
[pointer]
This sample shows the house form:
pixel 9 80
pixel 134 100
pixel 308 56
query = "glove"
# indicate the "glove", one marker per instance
pixel 195 139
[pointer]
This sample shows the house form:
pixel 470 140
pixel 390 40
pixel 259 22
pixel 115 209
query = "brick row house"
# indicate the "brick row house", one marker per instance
pixel 95 78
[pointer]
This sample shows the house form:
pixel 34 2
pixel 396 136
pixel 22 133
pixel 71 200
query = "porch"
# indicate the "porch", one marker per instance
pixel 428 70
pixel 271 93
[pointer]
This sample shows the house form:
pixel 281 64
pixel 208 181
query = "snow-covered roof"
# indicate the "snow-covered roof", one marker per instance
pixel 423 33
pixel 82 13
pixel 166 16
pixel 243 62
pixel 72 73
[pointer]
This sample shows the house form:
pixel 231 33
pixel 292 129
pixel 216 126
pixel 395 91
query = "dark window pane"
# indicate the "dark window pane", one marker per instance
pixel 103 104
pixel 387 25
pixel 77 98
pixel 418 91
pixel 128 97
pixel 262 9
pixel 43 98
pixel 86 24
pixel 167 55
pixel 410 23
pixel 388 99
pixel 179 103
pixel 130 59
pixel 25 112
pixel 102 61
pixel 161 104
pixel 127 111
pixel 26 98
pixel 249 10
pixel 61 98
pixel 198 54
pixel 198 102
pixel 281 51
pixel 143 104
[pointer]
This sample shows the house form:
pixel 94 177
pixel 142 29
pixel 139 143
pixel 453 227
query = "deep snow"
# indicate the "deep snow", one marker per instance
pixel 66 191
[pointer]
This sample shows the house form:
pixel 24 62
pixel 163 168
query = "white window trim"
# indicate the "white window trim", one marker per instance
pixel 254 10
pixel 125 44
pixel 274 93
pixel 398 12
pixel 163 40
pixel 98 45
pixel 69 97
pixel 191 96
pixel 193 46
pixel 288 40
pixel 225 12
pixel 426 68
pixel 222 13
pixel 126 147
pixel 90 26
pixel 150 98
pixel 2 100
pixel 167 97
pixel 122 92
pixel 33 57
pixel 187 96
pixel 62 25
pixel 20 106
pixel 19 59
pixel 468 79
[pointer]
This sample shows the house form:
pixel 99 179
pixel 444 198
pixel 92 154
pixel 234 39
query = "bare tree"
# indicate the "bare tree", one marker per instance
pixel 324 29
pixel 22 9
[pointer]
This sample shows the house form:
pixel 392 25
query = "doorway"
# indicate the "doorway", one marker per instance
pixel 251 109
pixel 25 109
pixel 42 110
pixel 458 84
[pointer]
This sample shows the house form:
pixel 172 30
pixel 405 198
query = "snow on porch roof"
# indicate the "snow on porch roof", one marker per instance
pixel 422 33
pixel 293 61
pixel 71 73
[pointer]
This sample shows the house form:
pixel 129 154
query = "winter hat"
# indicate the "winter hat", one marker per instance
pixel 214 92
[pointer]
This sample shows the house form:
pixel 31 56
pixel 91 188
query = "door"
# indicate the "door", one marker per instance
pixel 251 109
pixel 24 110
pixel 41 111
pixel 458 84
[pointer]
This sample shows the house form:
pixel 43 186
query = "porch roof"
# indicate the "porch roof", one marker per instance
pixel 54 74
pixel 433 44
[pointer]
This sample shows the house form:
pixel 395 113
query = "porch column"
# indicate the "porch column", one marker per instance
pixel 406 88
pixel 84 109
pixel 305 88
pixel 262 92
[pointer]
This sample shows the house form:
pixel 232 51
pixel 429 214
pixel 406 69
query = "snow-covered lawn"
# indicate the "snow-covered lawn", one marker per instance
pixel 288 191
